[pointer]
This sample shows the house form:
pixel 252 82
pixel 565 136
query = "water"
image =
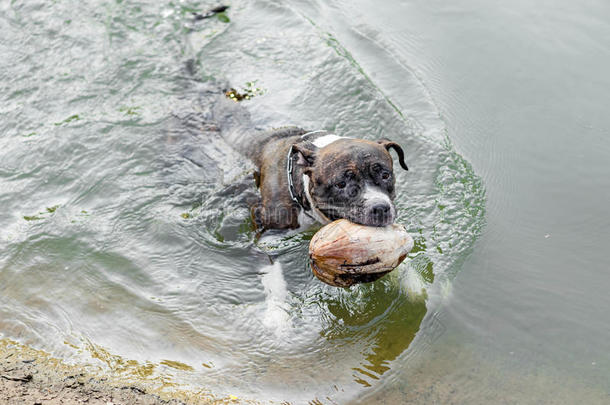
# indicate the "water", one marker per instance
pixel 125 238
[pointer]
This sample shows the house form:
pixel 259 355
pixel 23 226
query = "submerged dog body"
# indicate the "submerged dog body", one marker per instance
pixel 302 176
pixel 317 176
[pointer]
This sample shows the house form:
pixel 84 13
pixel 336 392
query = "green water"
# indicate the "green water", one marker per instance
pixel 125 241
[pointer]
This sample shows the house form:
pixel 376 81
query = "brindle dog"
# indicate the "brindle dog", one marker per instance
pixel 316 176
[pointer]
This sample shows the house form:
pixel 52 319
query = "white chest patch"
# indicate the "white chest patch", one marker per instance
pixel 326 140
pixel 276 316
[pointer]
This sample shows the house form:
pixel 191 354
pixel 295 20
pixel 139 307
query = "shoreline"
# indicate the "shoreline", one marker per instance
pixel 30 376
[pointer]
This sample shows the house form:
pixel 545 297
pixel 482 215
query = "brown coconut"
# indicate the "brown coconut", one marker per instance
pixel 343 253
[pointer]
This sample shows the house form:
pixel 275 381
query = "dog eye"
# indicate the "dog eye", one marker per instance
pixel 385 175
pixel 340 184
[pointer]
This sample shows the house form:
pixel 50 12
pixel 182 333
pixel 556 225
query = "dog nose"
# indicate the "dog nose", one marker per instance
pixel 380 210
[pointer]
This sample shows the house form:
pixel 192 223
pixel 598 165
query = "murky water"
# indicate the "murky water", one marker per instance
pixel 125 239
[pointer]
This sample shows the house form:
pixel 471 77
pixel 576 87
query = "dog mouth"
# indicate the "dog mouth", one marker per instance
pixel 360 218
pixel 380 222
pixel 331 214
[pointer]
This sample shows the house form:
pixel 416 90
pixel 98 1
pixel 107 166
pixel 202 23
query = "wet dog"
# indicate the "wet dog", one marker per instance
pixel 306 177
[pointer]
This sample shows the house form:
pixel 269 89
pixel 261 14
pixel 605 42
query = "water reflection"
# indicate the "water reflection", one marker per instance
pixel 387 320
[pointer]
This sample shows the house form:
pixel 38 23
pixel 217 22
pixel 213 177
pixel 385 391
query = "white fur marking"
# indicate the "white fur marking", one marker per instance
pixel 326 140
pixel 374 194
pixel 276 317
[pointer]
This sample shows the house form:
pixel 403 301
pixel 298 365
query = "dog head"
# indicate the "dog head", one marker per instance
pixel 351 179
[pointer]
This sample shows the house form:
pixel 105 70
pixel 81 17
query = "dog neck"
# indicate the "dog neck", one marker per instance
pixel 315 212
pixel 298 182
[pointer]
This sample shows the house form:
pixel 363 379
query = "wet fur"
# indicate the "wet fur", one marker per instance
pixel 323 166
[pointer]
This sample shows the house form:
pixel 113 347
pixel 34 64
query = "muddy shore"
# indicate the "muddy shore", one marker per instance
pixel 26 377
pixel 29 376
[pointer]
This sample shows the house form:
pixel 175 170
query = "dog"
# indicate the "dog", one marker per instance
pixel 306 177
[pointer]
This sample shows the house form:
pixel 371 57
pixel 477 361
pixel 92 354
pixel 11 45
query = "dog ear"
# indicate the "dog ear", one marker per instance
pixel 386 143
pixel 306 152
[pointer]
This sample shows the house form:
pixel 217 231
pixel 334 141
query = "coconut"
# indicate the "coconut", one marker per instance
pixel 343 253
